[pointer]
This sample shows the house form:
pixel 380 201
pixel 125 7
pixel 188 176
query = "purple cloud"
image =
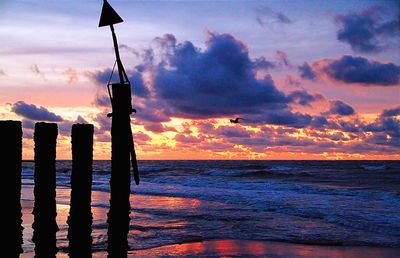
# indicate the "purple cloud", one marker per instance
pixel 340 108
pixel 391 112
pixel 303 98
pixel 216 82
pixel 233 131
pixel 265 16
pixel 371 30
pixel 306 72
pixel 33 112
pixel 351 69
pixel 138 87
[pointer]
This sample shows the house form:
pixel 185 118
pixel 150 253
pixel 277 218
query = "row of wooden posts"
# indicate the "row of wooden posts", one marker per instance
pixel 44 211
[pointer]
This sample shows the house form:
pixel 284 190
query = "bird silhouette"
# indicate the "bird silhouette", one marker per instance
pixel 236 120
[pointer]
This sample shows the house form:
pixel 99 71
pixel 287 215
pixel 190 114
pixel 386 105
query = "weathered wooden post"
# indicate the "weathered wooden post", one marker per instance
pixel 122 148
pixel 44 211
pixel 80 215
pixel 10 160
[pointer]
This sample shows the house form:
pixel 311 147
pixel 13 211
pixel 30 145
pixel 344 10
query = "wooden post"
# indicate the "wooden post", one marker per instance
pixel 80 215
pixel 44 211
pixel 10 159
pixel 120 183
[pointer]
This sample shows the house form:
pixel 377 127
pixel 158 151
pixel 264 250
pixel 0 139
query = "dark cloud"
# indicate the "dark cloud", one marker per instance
pixel 138 87
pixel 219 81
pixel 288 118
pixel 267 17
pixel 351 127
pixel 306 72
pixel 281 117
pixel 391 112
pixel 2 73
pixel 351 69
pixel 262 63
pixel 232 131
pixel 370 30
pixel 386 131
pixel 319 122
pixel 340 108
pixel 33 112
pixel 152 111
pixel 303 98
pixel 387 122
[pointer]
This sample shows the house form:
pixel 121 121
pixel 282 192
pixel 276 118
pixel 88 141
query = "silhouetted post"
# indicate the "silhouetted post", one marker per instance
pixel 80 215
pixel 120 183
pixel 45 225
pixel 122 148
pixel 10 159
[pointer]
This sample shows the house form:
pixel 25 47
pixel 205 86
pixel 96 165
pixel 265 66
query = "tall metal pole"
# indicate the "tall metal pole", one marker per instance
pixel 122 149
pixel 119 63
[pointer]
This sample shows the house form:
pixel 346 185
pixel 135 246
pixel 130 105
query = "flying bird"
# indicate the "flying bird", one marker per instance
pixel 236 120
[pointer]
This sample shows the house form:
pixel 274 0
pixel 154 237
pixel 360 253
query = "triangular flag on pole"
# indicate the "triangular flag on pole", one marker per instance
pixel 108 15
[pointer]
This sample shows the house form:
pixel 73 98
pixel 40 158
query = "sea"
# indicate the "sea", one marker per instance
pixel 308 202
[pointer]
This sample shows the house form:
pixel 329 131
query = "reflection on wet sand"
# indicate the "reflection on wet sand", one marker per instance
pixel 246 248
pixel 141 225
pixel 151 224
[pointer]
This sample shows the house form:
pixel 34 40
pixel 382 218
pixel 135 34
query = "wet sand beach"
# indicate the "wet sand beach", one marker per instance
pixel 190 246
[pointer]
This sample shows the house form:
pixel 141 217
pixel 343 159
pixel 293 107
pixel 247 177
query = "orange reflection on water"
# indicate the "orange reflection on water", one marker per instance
pixel 164 202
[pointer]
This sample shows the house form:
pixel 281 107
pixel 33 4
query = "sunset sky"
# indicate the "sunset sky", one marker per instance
pixel 311 79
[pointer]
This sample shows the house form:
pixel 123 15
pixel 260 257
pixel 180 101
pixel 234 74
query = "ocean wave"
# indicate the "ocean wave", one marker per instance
pixel 224 172
pixel 249 167
pixel 274 171
pixel 283 168
pixel 271 174
pixel 154 170
pixel 374 167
